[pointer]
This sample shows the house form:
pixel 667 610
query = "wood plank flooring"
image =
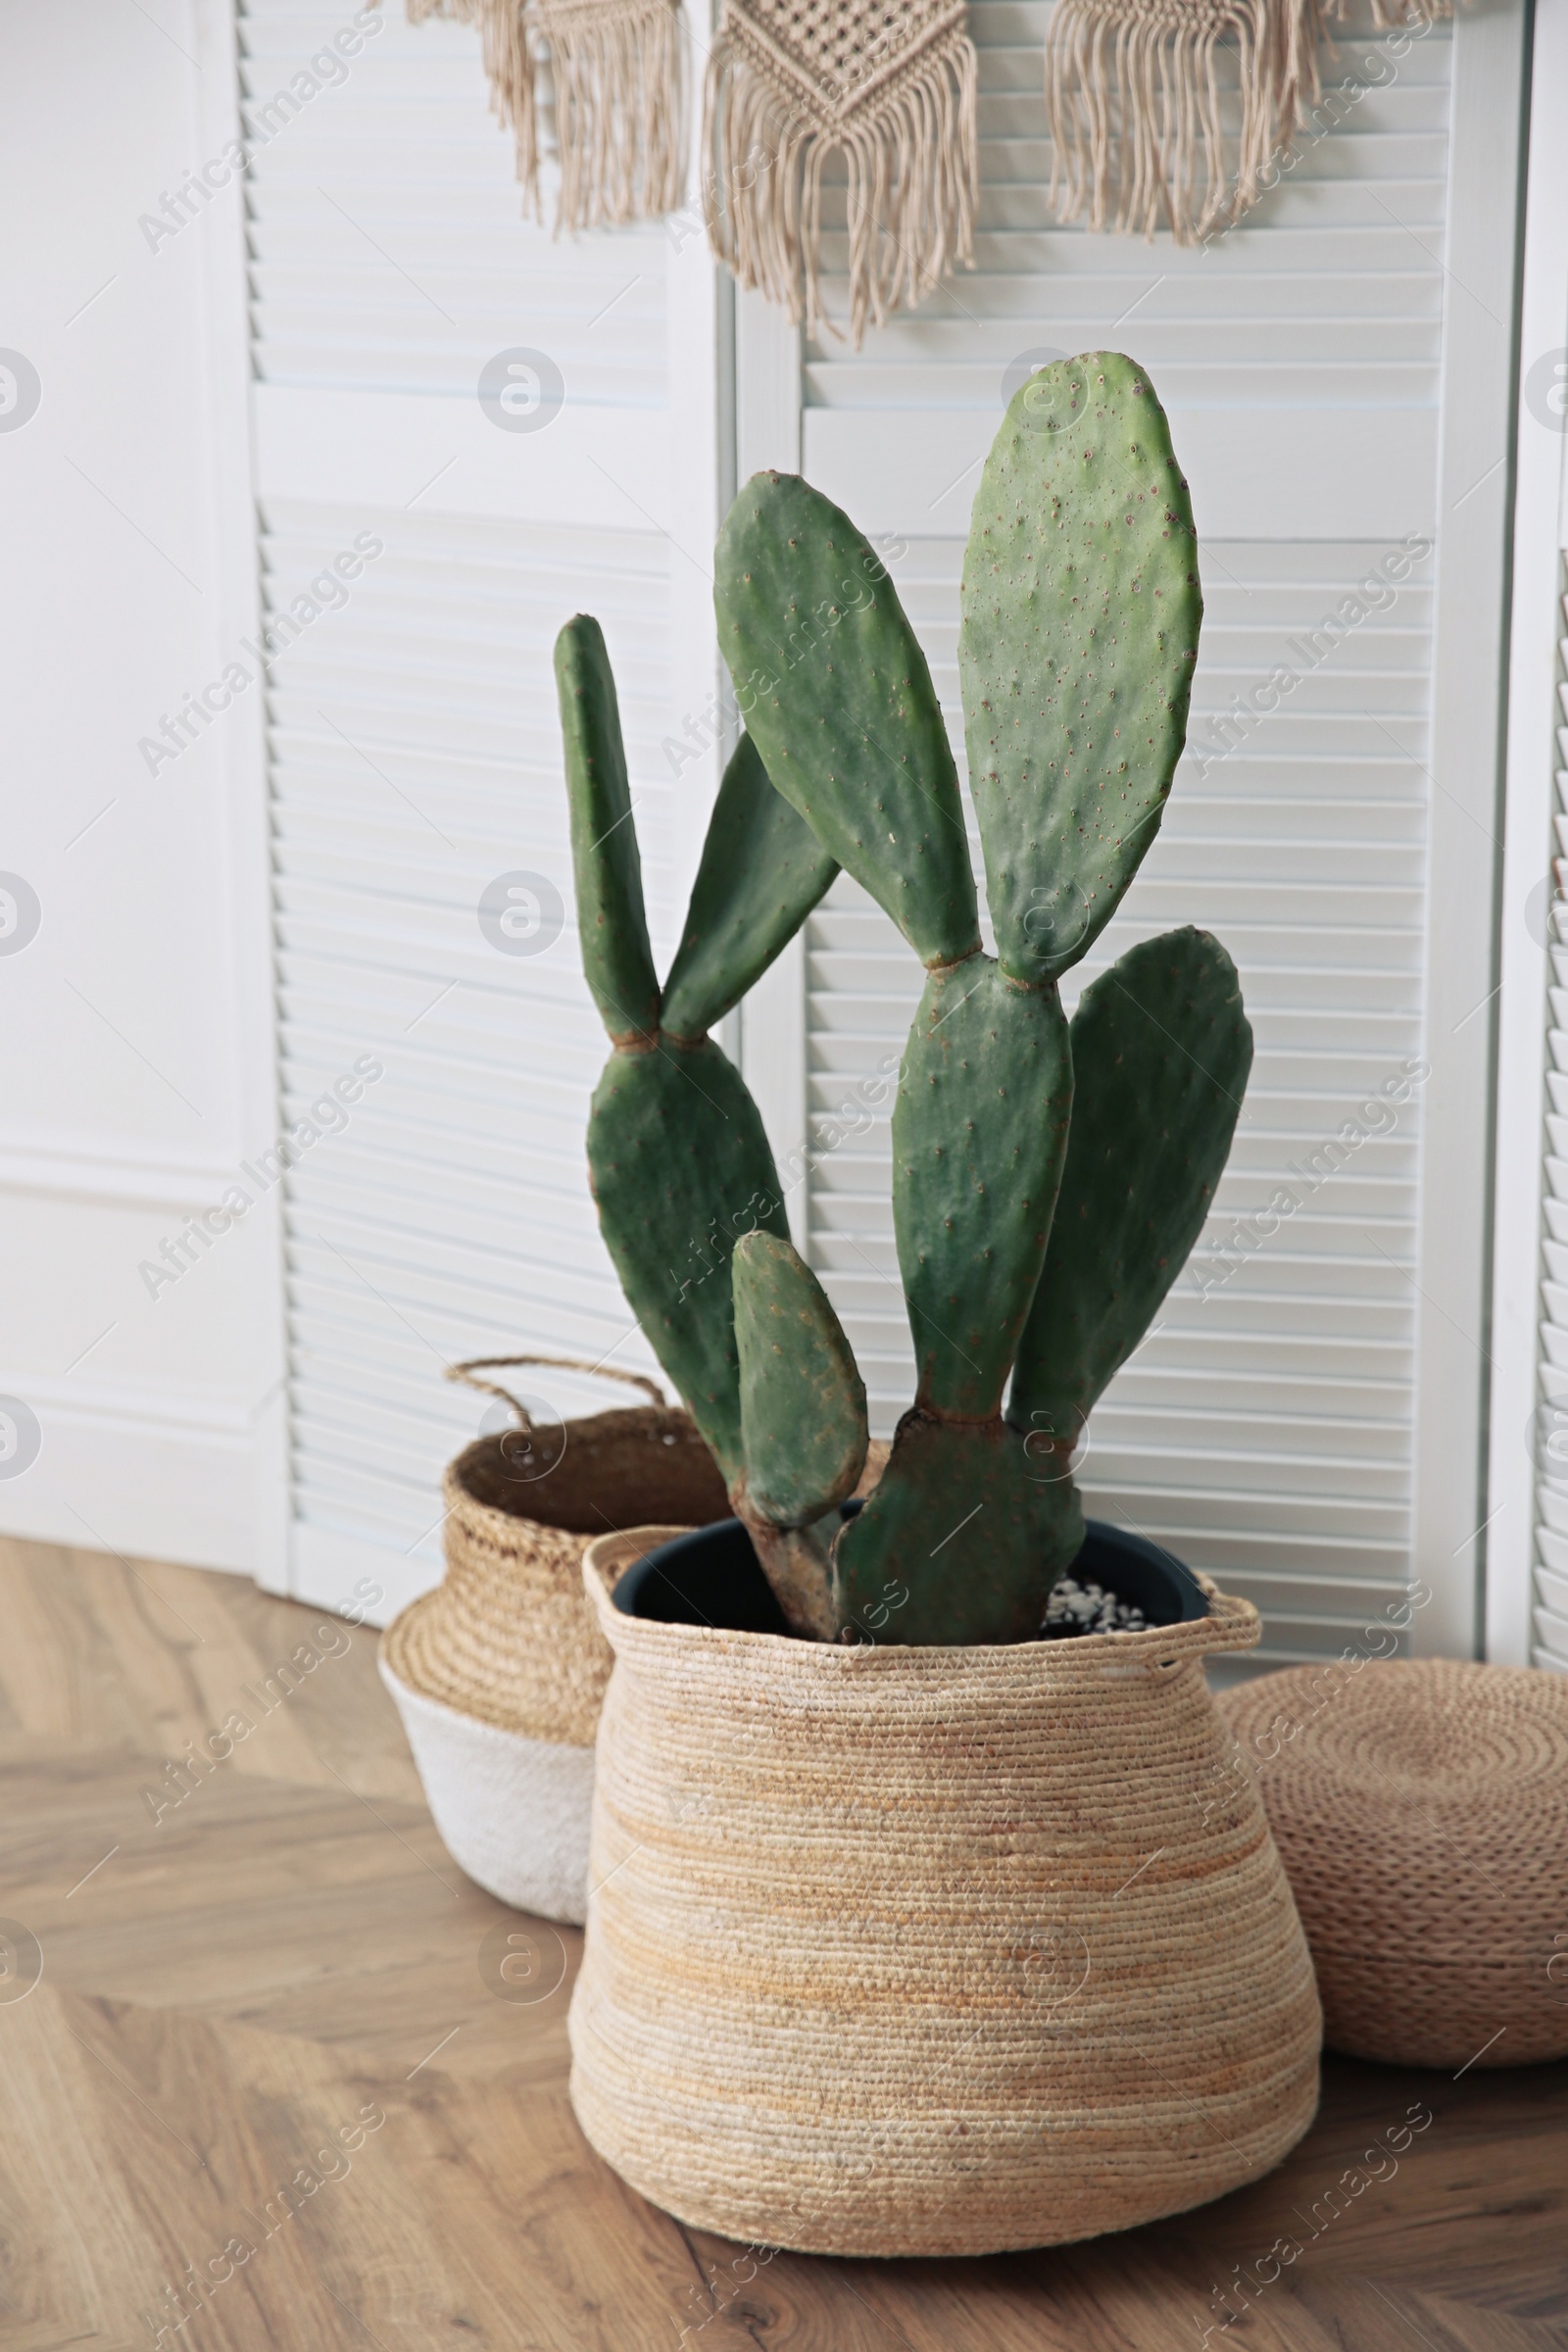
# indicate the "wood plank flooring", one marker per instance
pixel 282 1978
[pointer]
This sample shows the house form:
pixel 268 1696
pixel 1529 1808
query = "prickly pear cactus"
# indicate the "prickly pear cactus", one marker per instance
pixel 1047 1180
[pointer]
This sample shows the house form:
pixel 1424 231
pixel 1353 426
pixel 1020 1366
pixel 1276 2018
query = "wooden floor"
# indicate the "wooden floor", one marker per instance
pixel 283 1978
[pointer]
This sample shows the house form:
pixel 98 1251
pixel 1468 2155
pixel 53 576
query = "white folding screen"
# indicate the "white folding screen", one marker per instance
pixel 1300 1428
pixel 412 768
pixel 1282 1425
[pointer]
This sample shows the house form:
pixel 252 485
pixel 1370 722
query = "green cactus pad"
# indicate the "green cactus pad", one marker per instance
pixel 1081 614
pixel 979 1136
pixel 1161 1050
pixel 833 685
pixel 760 875
pixel 803 1401
pixel 680 1167
pixel 969 1525
pixel 616 960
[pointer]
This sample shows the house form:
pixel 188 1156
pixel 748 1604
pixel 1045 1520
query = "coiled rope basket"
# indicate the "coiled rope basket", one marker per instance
pixel 1421 1811
pixel 900 1951
pixel 499 1672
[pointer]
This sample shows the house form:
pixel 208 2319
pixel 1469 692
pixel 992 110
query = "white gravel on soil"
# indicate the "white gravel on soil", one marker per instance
pixel 1075 1608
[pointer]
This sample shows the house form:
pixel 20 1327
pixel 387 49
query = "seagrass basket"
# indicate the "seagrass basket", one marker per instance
pixel 919 1952
pixel 498 1672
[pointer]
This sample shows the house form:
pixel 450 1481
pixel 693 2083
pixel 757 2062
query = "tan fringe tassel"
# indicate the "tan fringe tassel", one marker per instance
pixel 619 116
pixel 1132 87
pixel 1133 94
pixel 620 93
pixel 906 124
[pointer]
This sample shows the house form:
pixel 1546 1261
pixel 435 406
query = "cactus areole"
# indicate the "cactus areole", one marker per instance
pixel 1048 1177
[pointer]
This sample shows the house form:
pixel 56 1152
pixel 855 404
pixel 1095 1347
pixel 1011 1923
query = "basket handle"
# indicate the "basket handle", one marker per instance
pixel 1230 1624
pixel 560 1363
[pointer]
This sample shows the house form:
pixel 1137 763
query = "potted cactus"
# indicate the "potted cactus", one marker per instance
pixel 909 1934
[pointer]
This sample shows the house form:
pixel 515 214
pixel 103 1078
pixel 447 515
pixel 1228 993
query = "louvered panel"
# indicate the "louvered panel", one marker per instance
pixel 388 247
pixel 414 757
pixel 1265 1426
pixel 1330 293
pixel 1547 1436
pixel 1264 1429
pixel 1298 355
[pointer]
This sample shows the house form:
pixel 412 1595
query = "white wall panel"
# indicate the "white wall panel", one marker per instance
pixel 388 253
pixel 415 743
pixel 335 445
pixel 416 757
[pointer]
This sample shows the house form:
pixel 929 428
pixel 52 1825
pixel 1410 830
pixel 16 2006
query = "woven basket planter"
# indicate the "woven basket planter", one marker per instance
pixel 499 1672
pixel 901 1951
pixel 1421 1811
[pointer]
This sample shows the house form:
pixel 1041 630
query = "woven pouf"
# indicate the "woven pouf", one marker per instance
pixel 499 1672
pixel 898 1951
pixel 1421 1811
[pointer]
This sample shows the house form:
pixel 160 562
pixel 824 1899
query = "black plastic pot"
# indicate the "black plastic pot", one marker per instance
pixel 713 1576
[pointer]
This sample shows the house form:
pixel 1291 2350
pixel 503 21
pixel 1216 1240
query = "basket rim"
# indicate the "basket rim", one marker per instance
pixel 1156 1651
pixel 593 1429
pixel 401 1687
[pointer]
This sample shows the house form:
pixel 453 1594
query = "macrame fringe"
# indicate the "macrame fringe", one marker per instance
pixel 619 116
pixel 1132 93
pixel 907 135
pixel 509 70
pixel 1133 101
pixel 619 97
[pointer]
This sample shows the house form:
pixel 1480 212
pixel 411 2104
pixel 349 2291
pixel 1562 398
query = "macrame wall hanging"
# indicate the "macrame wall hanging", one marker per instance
pixel 887 84
pixel 1135 107
pixel 1135 97
pixel 616 72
